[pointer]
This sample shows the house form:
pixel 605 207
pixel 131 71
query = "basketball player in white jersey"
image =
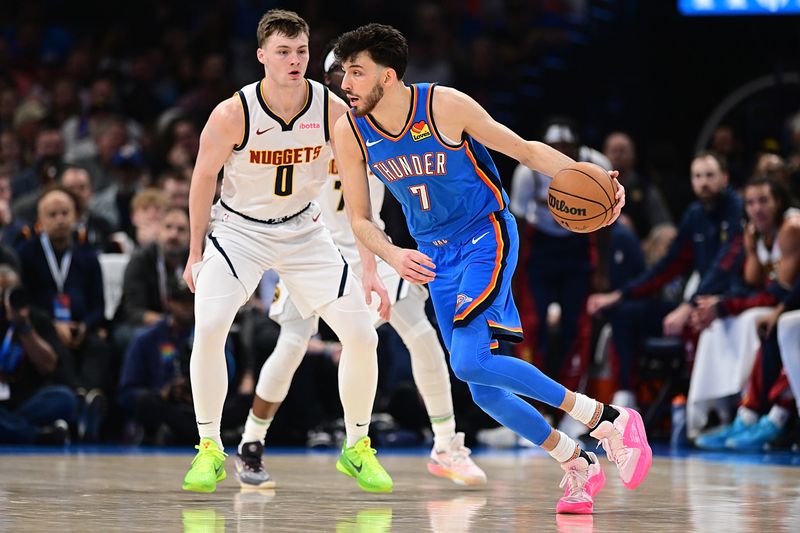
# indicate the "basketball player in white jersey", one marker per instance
pixel 449 457
pixel 273 139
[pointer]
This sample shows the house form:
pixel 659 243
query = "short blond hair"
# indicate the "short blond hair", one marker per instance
pixel 150 197
pixel 282 21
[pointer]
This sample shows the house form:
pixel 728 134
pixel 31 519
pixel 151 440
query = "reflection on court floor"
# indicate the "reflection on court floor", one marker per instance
pixel 114 491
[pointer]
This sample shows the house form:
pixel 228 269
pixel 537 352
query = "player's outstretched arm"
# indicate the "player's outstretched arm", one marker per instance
pixel 456 113
pixel 370 281
pixel 412 265
pixel 223 131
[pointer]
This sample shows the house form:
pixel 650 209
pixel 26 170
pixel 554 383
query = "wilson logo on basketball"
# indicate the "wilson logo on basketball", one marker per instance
pixel 562 207
pixel 420 131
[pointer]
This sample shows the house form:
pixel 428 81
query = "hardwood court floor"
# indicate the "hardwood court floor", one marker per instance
pixel 141 492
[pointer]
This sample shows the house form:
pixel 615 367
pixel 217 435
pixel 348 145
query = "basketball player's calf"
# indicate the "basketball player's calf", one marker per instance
pixel 272 387
pixel 583 477
pixel 449 457
pixel 350 319
pixel 496 380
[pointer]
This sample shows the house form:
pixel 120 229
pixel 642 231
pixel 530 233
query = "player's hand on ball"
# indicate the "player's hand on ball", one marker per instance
pixel 620 196
pixel 413 266
pixel 371 282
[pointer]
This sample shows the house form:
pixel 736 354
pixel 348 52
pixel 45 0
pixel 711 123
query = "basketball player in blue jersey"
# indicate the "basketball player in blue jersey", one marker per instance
pixel 426 143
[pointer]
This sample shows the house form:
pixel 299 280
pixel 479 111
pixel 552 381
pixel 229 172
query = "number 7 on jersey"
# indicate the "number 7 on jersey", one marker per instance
pixel 422 192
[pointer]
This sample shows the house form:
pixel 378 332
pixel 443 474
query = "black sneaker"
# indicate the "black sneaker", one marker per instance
pixel 250 467
pixel 56 434
pixel 94 412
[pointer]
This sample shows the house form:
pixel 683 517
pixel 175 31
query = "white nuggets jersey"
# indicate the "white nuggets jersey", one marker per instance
pixel 279 167
pixel 335 216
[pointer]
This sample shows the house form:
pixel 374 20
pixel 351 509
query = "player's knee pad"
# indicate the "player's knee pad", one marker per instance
pixel 350 319
pixel 360 336
pixel 216 304
pixel 424 347
pixel 276 375
pixel 408 314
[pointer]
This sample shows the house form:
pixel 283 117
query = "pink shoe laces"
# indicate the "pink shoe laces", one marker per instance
pixel 616 451
pixel 577 479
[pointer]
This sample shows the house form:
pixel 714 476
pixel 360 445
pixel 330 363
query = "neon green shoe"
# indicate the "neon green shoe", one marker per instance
pixel 360 462
pixel 203 521
pixel 208 468
pixel 367 520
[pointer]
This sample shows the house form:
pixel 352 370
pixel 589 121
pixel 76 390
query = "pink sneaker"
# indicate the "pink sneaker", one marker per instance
pixel 625 443
pixel 455 464
pixel 583 481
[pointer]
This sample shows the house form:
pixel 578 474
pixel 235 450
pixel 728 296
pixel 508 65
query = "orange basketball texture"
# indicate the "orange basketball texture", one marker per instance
pixel 581 197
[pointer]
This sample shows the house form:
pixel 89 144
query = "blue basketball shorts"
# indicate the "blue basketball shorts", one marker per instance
pixel 473 278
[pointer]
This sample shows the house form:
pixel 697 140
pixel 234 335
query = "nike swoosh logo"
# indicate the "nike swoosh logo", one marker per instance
pixel 259 132
pixel 476 239
pixel 373 143
pixel 362 425
pixel 357 468
pixel 316 217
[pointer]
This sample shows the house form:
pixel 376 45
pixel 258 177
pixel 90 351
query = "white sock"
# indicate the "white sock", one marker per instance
pixel 778 415
pixel 255 429
pixel 444 429
pixel 216 438
pixel 584 409
pixel 564 450
pixel 748 416
pixel 355 432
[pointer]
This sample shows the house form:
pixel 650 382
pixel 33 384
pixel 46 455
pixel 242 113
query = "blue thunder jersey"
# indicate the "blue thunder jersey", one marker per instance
pixel 444 188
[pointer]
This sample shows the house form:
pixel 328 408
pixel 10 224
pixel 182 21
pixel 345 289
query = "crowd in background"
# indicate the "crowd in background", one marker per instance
pixel 99 131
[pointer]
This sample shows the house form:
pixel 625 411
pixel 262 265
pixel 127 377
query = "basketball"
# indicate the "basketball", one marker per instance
pixel 582 197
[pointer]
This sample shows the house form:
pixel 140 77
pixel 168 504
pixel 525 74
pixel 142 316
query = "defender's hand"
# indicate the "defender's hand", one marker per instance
pixel 187 272
pixel 372 283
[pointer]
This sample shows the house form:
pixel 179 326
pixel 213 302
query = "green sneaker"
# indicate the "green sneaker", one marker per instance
pixel 203 521
pixel 208 468
pixel 360 462
pixel 367 520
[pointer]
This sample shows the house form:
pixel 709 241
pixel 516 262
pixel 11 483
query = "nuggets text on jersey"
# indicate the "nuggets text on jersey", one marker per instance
pixel 288 156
